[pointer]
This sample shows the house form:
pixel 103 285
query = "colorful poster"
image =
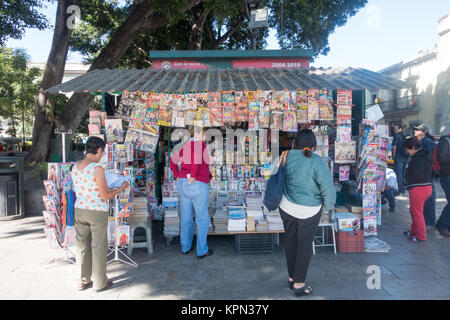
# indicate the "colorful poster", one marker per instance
pixel 114 131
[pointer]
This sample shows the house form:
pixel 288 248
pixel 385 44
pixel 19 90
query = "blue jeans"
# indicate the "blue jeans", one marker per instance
pixel 193 197
pixel 400 164
pixel 444 220
pixel 429 208
pixel 389 194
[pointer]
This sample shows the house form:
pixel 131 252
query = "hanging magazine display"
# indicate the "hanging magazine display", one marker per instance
pixel 114 131
pixel 345 152
pixel 313 104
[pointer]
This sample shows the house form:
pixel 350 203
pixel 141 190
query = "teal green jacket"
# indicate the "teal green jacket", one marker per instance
pixel 308 181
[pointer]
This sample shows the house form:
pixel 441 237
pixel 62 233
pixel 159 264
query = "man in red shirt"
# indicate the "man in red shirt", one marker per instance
pixel 191 169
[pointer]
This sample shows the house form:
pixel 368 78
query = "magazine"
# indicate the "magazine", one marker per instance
pixel 190 117
pixel 124 206
pixel 203 117
pixel 54 173
pixel 313 110
pixel 94 129
pixel 126 105
pixel 344 134
pixel 276 120
pixel 241 111
pixel 265 95
pixel 345 152
pixel 114 131
pixel 228 112
pixel 165 116
pixel 122 235
pixel 216 116
pixel 202 99
pixel 70 236
pixel 52 237
pixel 228 96
pixel 214 99
pixel 290 97
pixel 148 142
pixel 191 101
pixel 252 96
pixel 50 219
pixel 344 97
pixel 264 113
pixel 290 121
pixel 326 110
pixel 344 173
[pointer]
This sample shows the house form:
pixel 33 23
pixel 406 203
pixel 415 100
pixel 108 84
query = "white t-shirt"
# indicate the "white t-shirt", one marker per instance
pixel 296 210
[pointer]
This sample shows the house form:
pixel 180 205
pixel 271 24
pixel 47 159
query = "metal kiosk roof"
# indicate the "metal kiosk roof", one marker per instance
pixel 181 80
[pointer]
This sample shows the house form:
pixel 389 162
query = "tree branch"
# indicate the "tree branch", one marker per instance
pixel 216 43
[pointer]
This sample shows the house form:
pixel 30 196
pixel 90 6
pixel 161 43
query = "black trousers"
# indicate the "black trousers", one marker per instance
pixel 298 243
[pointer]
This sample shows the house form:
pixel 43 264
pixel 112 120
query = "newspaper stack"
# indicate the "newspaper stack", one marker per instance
pixel 262 225
pixel 237 219
pixel 254 202
pixel 251 224
pixel 171 223
pixel 171 217
pixel 139 211
pixel 274 221
pixel 220 221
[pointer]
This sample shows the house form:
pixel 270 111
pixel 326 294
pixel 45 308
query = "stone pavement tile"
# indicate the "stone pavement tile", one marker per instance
pixel 375 258
pixel 413 272
pixel 416 289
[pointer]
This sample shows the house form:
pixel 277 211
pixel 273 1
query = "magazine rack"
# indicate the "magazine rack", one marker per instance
pixel 116 250
pixel 63 250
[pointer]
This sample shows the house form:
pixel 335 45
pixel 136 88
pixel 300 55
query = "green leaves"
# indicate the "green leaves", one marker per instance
pixel 16 15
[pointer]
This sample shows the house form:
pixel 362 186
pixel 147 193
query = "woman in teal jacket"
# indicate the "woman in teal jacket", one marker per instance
pixel 308 187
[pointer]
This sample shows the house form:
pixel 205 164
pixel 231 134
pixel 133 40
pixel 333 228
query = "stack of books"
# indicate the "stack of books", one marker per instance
pixel 139 212
pixel 220 221
pixel 274 221
pixel 251 224
pixel 171 217
pixel 262 225
pixel 254 202
pixel 237 218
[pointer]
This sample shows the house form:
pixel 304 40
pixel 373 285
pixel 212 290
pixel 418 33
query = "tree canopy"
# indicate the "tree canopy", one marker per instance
pixel 17 15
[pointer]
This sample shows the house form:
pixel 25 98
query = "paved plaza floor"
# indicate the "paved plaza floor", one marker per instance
pixel 408 271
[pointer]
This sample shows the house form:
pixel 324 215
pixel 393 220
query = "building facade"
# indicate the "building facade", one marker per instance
pixel 427 100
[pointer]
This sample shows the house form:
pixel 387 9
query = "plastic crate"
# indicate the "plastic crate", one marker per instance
pixel 350 241
pixel 255 243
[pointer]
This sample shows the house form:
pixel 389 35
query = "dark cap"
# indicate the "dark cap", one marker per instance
pixel 423 127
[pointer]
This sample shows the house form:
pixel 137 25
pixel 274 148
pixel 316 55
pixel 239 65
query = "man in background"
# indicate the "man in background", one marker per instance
pixel 442 163
pixel 400 156
pixel 423 133
pixel 390 189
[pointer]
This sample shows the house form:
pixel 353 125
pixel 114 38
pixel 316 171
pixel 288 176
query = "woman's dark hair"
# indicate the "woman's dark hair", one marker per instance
pixel 412 143
pixel 306 141
pixel 93 143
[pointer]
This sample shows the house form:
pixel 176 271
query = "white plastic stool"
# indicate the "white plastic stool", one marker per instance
pixel 144 244
pixel 321 239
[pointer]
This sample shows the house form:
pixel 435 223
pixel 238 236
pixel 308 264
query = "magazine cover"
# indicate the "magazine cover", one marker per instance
pixel 124 205
pixel 290 97
pixel 326 110
pixel 70 236
pixel 190 117
pixel 241 96
pixel 95 121
pixel 66 169
pixel 165 116
pixel 344 114
pixel 150 127
pixel 264 113
pixel 252 96
pixel 178 117
pixel 313 110
pixel 253 121
pixel 149 143
pixel 114 131
pixel 94 129
pixel 203 117
pixel 214 99
pixel 302 106
pixel 139 111
pixel 344 173
pixel 216 116
pixel 50 219
pixel 290 121
pixel 228 112
pixel 133 136
pixel 344 134
pixel 50 188
pixel 241 111
pixel 54 173
pixel 345 152
pixel 122 235
pixel 121 153
pixel 228 96
pixel 276 120
pixel 126 105
pixel 202 99
pixel 344 97
pixel 52 237
pixel 265 95
pixel 191 101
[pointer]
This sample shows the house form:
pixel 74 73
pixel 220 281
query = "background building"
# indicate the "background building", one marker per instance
pixel 428 98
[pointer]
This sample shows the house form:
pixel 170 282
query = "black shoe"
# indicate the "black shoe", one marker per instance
pixel 391 209
pixel 187 252
pixel 303 291
pixel 209 253
pixel 444 232
pixel 291 284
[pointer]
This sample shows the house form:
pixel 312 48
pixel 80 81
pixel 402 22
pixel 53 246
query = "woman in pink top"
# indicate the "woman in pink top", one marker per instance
pixel 91 215
pixel 191 169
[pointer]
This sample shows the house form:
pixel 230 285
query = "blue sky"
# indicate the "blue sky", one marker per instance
pixel 385 32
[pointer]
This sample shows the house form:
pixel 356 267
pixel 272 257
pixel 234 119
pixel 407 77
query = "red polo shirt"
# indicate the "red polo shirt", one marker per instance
pixel 194 159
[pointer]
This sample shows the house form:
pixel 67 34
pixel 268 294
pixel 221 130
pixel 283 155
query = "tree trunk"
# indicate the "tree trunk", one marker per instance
pixel 53 75
pixel 196 37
